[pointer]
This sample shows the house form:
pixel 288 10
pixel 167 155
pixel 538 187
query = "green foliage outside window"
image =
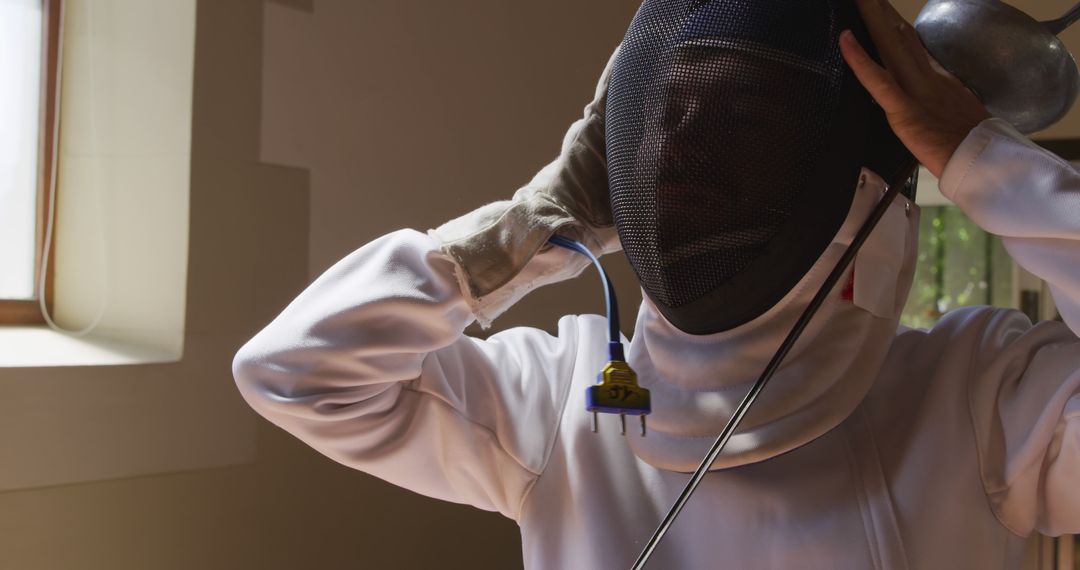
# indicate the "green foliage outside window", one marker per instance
pixel 959 265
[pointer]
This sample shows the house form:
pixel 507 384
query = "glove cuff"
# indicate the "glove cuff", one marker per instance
pixel 500 251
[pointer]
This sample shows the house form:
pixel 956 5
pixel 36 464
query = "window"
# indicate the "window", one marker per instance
pixel 29 52
pixel 959 265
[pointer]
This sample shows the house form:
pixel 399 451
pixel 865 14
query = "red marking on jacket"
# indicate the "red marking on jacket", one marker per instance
pixel 848 294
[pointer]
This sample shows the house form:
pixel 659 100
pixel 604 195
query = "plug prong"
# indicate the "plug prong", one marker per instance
pixel 642 425
pixel 617 392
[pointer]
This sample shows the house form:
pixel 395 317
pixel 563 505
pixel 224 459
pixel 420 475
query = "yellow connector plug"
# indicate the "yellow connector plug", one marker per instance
pixel 618 393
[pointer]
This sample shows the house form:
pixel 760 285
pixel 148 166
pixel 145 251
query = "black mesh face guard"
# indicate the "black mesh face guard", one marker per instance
pixel 735 137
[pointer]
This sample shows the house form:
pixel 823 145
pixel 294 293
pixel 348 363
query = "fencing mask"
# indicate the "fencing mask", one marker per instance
pixel 735 138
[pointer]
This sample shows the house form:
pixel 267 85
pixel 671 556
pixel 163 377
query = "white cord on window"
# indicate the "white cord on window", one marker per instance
pixel 95 175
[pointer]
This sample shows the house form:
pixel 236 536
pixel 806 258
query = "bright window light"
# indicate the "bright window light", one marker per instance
pixel 20 103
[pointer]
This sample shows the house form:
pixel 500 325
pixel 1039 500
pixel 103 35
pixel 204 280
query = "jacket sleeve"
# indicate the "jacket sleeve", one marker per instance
pixel 370 366
pixel 1024 388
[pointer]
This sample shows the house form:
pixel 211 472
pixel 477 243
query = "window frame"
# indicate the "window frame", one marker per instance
pixel 28 312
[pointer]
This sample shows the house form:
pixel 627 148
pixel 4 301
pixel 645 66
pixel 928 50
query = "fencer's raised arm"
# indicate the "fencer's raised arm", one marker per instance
pixel 1025 380
pixel 369 365
pixel 1015 189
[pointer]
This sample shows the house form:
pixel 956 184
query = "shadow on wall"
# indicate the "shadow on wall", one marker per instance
pixel 410 113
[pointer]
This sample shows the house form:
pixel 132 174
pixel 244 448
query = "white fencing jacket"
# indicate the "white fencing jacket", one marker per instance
pixel 873 448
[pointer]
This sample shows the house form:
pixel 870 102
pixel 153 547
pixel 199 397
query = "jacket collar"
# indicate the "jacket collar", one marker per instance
pixel 697 381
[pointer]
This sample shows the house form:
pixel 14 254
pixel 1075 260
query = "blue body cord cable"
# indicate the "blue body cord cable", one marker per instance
pixel 616 390
pixel 614 335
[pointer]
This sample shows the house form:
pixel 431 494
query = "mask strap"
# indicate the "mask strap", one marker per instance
pixel 774 364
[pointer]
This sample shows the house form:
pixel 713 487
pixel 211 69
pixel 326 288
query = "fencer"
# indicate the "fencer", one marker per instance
pixel 732 151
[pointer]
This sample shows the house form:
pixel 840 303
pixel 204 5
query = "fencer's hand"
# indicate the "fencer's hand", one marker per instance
pixel 929 109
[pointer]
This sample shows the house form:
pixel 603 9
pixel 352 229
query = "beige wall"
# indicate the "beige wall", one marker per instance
pixel 335 122
pixel 409 113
